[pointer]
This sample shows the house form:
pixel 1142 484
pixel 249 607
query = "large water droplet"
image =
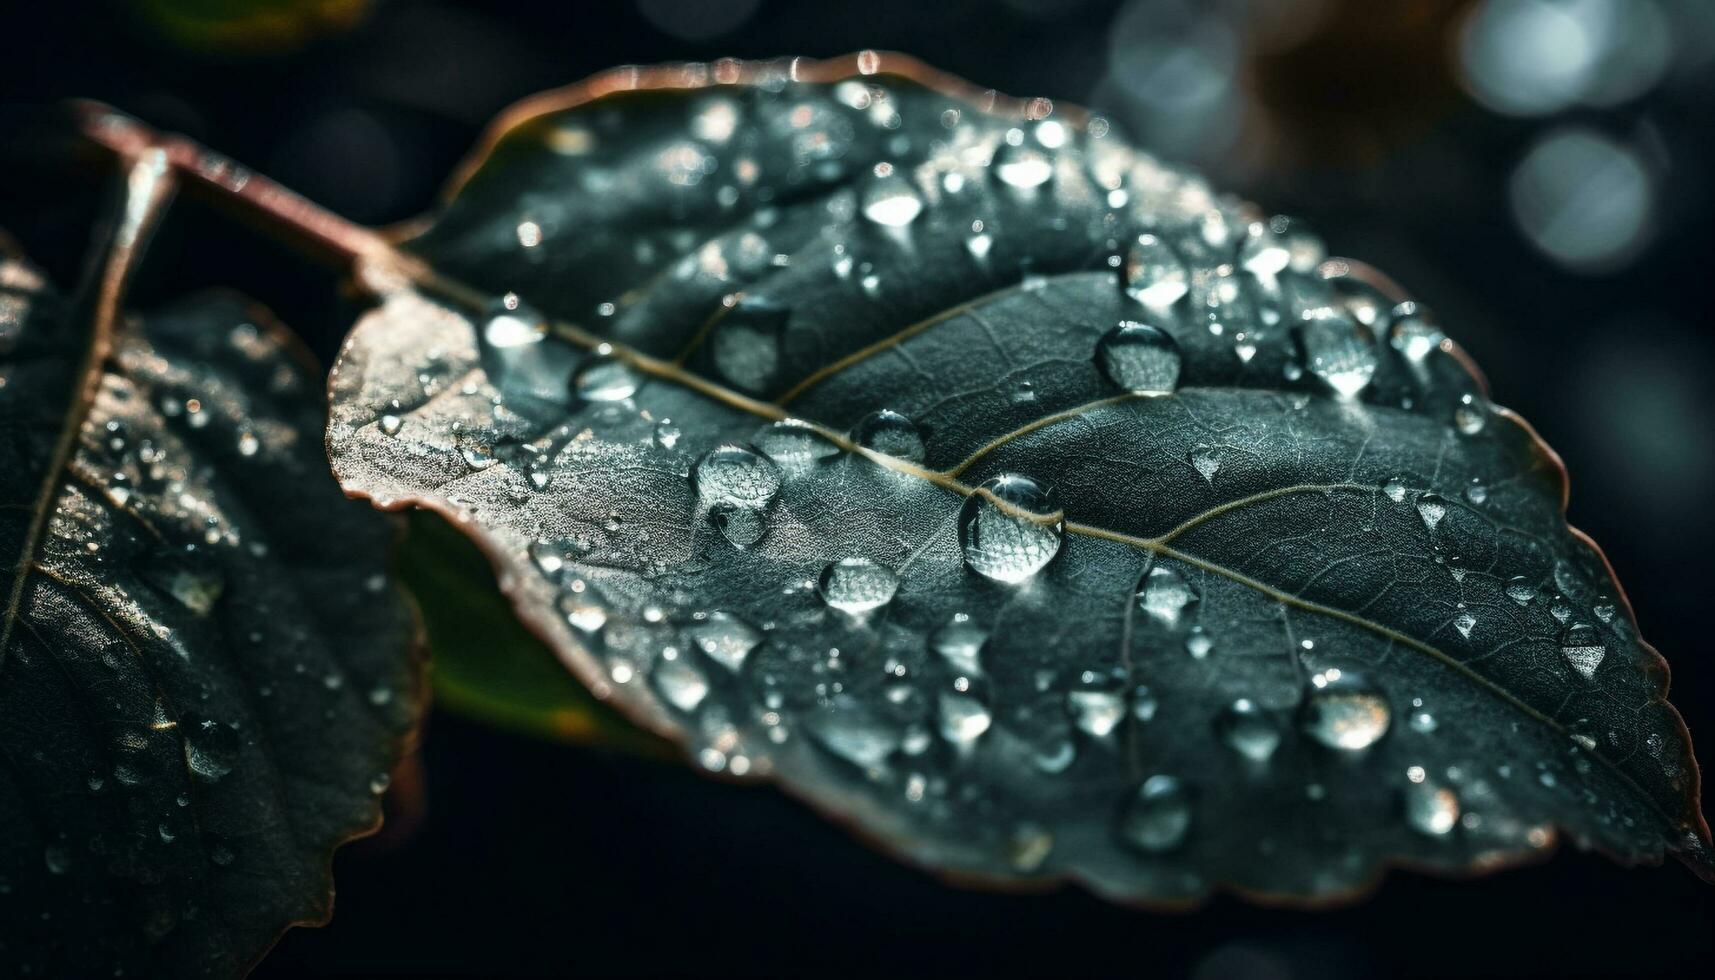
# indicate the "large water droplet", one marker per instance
pixel 1139 358
pixel 746 342
pixel 1470 415
pixel 1154 273
pixel 1009 529
pixel 741 526
pixel 1247 729
pixel 890 200
pixel 736 476
pixel 1581 644
pixel 1165 595
pixel 856 585
pixel 725 638
pixel 1343 711
pixel 890 433
pixel 1339 351
pixel 1158 817
pixel 1429 809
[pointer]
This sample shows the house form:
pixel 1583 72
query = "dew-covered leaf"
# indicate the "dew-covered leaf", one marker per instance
pixel 486 664
pixel 206 674
pixel 1007 493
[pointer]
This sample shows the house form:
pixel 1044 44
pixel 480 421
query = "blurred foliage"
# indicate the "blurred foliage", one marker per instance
pixel 249 26
pixel 485 664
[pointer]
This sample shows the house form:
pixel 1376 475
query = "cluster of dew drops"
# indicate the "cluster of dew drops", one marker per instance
pixel 1209 265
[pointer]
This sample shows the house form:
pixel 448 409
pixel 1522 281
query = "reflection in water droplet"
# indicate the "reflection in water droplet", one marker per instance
pixel 737 477
pixel 1581 644
pixel 1262 254
pixel 855 585
pixel 1009 529
pixel 519 357
pixel 1247 729
pixel 1339 351
pixel 1342 711
pixel 1165 595
pixel 1465 623
pixel 583 612
pixel 1139 358
pixel 960 643
pixel 1154 273
pixel 1157 819
pixel 1431 507
pixel 606 379
pixel 725 638
pixel 890 433
pixel 1414 337
pixel 1429 809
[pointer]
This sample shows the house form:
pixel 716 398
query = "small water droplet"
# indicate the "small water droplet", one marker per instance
pixel 795 445
pixel 960 643
pixel 1395 490
pixel 1470 415
pixel 1414 337
pixel 1339 351
pixel 1096 712
pixel 1139 358
pixel 1158 818
pixel 889 199
pixel 1206 460
pixel 1465 623
pixel 1521 590
pixel 891 434
pixel 57 860
pixel 725 638
pixel 1199 644
pixel 857 585
pixel 391 424
pixel 680 683
pixel 1582 646
pixel 211 748
pixel 1009 529
pixel 1021 163
pixel 1165 595
pixel 1154 273
pixel 962 717
pixel 1430 809
pixel 1342 711
pixel 667 434
pixel 1262 254
pixel 849 730
pixel 606 379
pixel 1431 507
pixel 1248 730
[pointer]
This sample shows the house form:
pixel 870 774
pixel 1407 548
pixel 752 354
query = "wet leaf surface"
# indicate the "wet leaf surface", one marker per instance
pixel 206 675
pixel 486 664
pixel 1006 493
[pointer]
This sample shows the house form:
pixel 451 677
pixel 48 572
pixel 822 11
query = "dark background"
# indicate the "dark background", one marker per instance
pixel 1371 120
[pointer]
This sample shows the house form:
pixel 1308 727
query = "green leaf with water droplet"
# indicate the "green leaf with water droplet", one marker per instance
pixel 206 675
pixel 1006 492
